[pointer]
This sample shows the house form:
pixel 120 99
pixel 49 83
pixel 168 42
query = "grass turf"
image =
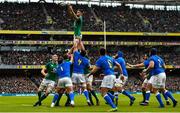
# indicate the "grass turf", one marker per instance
pixel 25 104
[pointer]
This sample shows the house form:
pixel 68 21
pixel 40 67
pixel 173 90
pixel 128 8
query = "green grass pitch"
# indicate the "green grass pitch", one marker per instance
pixel 25 104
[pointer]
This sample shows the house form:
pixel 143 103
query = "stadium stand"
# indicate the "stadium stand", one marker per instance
pixel 32 16
pixel 133 54
pixel 21 83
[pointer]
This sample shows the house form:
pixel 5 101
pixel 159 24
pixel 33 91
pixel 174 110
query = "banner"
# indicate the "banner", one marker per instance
pixel 22 42
pixel 64 32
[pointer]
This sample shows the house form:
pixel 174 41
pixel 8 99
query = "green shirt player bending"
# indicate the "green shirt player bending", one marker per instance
pixel 78 21
pixel 49 80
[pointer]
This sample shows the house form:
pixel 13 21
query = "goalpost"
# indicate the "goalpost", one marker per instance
pixel 104 28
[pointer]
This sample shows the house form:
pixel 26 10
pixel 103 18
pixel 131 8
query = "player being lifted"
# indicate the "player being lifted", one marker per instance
pixel 107 63
pixel 48 82
pixel 158 79
pixel 78 21
pixel 64 81
pixel 122 79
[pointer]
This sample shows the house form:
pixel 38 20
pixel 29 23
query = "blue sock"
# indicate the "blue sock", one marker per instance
pixel 127 94
pixel 165 96
pixel 109 101
pixel 71 95
pixel 86 94
pixel 147 96
pixel 158 96
pixel 111 96
pixel 56 95
pixel 170 96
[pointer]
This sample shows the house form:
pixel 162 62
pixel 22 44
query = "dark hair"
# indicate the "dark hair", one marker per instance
pixel 60 60
pixel 153 51
pixel 80 10
pixel 102 51
pixel 65 56
pixel 83 53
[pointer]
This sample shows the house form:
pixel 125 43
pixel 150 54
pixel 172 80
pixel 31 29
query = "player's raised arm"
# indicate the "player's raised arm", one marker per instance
pixel 81 45
pixel 72 58
pixel 72 11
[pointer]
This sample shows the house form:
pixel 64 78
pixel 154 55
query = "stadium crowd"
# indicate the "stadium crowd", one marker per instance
pixel 35 16
pixel 132 54
pixel 22 84
pixel 16 84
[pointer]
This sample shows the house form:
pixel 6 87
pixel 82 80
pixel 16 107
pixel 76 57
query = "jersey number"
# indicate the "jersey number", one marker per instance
pixel 61 68
pixel 159 62
pixel 110 64
pixel 79 61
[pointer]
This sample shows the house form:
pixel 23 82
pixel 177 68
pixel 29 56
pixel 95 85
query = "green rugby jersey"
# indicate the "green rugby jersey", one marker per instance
pixel 50 66
pixel 78 26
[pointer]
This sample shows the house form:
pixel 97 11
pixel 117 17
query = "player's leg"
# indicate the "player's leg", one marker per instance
pixel 95 96
pixel 90 95
pixel 162 81
pixel 57 96
pixel 60 89
pixel 148 92
pixel 117 87
pixel 126 93
pixel 91 90
pixel 162 91
pixel 85 92
pixel 158 97
pixel 116 90
pixel 69 90
pixel 50 88
pixel 40 90
pixel 68 101
pixel 106 85
pixel 42 86
pixel 82 81
pixel 168 94
pixel 144 85
pixel 156 84
pixel 60 93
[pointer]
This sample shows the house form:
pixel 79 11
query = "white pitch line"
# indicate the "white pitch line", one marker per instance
pixel 24 105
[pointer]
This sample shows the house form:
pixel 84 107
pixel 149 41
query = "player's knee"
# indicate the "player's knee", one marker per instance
pixel 83 86
pixel 143 89
pixel 69 89
pixel 89 87
pixel 103 91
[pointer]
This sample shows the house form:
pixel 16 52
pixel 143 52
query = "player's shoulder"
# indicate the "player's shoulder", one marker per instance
pixel 120 59
pixel 48 63
pixel 81 17
pixel 85 59
pixel 146 61
pixel 76 52
pixel 152 57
